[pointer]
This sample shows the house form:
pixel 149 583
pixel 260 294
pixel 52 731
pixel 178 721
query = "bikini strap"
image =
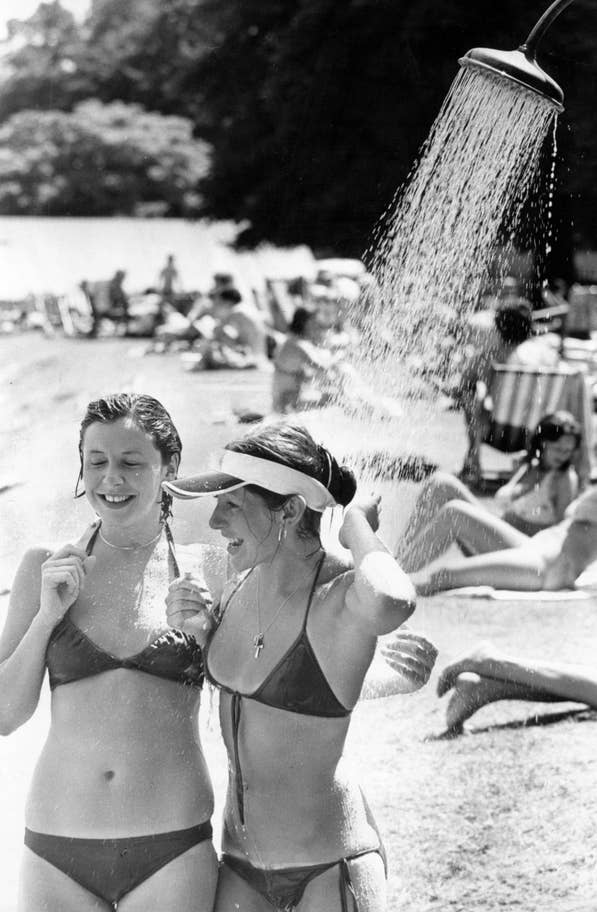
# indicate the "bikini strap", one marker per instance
pixel 92 537
pixel 312 591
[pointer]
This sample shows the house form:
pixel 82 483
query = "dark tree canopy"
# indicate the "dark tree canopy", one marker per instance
pixel 314 109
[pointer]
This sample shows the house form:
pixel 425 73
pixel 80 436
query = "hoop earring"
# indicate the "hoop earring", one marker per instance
pixel 282 533
pixel 79 480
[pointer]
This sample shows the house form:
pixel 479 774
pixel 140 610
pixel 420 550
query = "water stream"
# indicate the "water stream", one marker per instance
pixel 432 255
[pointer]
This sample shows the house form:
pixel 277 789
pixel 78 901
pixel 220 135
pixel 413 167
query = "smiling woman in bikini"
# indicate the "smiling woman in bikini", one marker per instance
pixel 119 809
pixel 295 638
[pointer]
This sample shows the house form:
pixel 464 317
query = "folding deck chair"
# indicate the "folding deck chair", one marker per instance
pixel 522 395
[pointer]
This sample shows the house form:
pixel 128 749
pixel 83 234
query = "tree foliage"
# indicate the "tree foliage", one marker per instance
pixel 315 109
pixel 99 160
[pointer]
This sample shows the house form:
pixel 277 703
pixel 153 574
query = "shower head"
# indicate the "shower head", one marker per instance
pixel 520 66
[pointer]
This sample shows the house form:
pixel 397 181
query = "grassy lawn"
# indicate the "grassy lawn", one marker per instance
pixel 501 818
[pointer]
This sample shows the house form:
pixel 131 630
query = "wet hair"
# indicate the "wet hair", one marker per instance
pixel 549 429
pixel 292 445
pixel 148 414
pixel 514 322
pixel 299 321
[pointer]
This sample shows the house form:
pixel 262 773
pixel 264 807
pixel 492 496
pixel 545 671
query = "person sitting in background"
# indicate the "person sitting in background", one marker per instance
pixel 509 343
pixel 486 675
pixel 536 497
pixel 551 560
pixel 297 360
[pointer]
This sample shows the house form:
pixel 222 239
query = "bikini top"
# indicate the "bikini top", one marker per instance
pixel 535 505
pixel 72 656
pixel 296 683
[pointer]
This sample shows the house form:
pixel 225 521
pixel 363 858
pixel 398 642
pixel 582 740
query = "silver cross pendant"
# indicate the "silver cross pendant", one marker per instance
pixel 258 644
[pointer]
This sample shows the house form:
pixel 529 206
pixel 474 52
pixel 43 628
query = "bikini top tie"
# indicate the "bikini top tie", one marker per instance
pixel 71 655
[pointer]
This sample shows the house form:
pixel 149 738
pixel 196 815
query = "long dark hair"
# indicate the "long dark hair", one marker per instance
pixel 292 445
pixel 549 429
pixel 148 414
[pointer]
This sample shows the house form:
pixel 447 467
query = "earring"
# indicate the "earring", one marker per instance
pixel 282 533
pixel 79 480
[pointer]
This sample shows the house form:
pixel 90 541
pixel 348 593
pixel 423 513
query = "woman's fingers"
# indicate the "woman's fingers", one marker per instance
pixel 74 565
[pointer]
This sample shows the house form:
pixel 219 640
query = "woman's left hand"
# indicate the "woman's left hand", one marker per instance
pixel 369 506
pixel 410 655
pixel 188 607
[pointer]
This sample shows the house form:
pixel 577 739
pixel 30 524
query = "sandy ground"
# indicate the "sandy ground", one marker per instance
pixel 501 819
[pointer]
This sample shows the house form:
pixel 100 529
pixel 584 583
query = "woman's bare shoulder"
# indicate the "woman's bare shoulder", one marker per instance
pixel 337 573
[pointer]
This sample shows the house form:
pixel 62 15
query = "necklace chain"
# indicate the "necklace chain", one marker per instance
pixel 259 638
pixel 129 547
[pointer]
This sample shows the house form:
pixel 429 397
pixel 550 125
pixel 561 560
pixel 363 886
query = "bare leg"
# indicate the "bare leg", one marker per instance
pixel 515 568
pixel 469 523
pixel 434 494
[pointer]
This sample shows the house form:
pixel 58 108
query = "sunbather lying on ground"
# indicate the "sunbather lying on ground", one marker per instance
pixel 536 497
pixel 550 560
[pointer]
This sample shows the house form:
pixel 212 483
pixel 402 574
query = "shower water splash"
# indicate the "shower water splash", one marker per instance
pixel 440 241
pixel 465 195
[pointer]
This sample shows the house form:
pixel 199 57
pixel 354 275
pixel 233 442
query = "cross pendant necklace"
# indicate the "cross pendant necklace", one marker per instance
pixel 259 638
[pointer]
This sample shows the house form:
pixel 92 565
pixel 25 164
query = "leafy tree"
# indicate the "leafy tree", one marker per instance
pixel 99 160
pixel 315 109
pixel 41 63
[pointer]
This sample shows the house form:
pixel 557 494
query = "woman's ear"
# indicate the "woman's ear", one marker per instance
pixel 294 509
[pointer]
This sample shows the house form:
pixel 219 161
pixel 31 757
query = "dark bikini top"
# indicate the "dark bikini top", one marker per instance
pixel 72 656
pixel 296 683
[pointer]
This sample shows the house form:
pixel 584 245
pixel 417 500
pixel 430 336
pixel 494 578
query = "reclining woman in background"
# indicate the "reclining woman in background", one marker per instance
pixel 535 498
pixel 552 559
pixel 294 641
pixel 486 675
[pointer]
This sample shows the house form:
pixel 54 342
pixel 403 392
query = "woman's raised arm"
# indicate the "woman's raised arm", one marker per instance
pixel 382 595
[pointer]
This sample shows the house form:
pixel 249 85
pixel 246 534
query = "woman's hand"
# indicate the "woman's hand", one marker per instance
pixel 62 578
pixel 369 506
pixel 188 607
pixel 410 655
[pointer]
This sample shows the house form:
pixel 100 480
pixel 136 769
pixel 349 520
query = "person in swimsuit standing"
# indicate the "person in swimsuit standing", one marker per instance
pixel 535 498
pixel 296 634
pixel 118 815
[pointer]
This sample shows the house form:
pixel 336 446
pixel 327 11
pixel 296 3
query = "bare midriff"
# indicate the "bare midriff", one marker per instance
pixel 122 758
pixel 301 805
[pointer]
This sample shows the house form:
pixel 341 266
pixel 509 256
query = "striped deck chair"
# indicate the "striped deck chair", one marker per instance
pixel 521 395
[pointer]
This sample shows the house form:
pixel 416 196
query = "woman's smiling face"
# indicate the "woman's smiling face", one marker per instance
pixel 122 472
pixel 247 523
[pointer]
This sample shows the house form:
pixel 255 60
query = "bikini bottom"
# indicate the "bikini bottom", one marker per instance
pixel 283 888
pixel 110 868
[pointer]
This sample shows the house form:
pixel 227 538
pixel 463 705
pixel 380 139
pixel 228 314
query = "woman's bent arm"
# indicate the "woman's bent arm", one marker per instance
pixel 23 646
pixel 382 595
pixel 45 587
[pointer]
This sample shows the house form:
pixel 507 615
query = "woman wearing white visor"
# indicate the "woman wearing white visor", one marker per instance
pixel 296 634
